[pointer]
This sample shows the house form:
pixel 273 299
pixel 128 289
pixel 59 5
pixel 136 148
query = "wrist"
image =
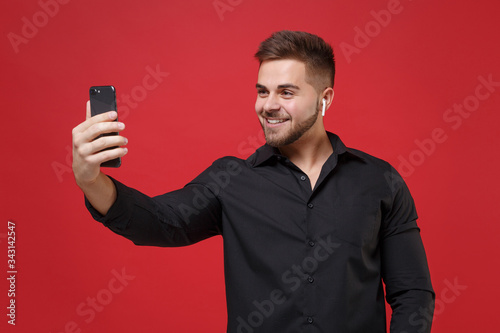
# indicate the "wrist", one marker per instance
pixel 86 184
pixel 101 192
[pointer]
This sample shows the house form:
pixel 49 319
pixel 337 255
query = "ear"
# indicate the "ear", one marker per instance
pixel 327 95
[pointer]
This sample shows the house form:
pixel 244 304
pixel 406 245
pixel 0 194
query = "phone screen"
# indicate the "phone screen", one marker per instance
pixel 103 99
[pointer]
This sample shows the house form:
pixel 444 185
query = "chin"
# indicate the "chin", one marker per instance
pixel 280 140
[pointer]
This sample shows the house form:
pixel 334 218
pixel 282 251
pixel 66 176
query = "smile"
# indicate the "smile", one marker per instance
pixel 275 121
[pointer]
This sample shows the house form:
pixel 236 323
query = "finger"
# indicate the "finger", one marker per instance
pixel 87 149
pixel 88 111
pixel 101 128
pixel 88 115
pixel 103 117
pixel 107 155
pixel 107 142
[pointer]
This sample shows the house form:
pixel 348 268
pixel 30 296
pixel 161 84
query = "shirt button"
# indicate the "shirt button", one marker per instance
pixel 310 320
pixel 310 205
pixel 311 243
pixel 303 177
pixel 310 279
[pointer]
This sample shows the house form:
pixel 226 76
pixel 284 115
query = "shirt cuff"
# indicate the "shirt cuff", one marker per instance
pixel 118 216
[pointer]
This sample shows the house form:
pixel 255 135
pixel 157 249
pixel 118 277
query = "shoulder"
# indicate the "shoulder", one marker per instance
pixel 376 171
pixel 221 169
pixel 357 158
pixel 228 163
pixel 373 162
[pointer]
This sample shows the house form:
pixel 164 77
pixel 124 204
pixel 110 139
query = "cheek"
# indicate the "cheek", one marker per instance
pixel 291 108
pixel 258 105
pixel 302 110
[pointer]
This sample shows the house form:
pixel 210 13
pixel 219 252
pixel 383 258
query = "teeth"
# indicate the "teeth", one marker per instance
pixel 275 121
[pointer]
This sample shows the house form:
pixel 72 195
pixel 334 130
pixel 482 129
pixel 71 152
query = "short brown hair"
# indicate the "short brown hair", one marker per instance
pixel 310 49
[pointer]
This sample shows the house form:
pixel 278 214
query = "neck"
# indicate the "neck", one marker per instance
pixel 310 151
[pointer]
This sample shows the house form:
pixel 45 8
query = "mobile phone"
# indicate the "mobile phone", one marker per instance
pixel 103 99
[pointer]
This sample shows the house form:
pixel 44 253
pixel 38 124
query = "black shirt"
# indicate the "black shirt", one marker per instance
pixel 297 259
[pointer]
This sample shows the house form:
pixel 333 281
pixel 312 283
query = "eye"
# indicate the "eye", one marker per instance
pixel 262 93
pixel 287 93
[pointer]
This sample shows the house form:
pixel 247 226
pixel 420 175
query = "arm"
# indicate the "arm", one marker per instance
pixel 87 157
pixel 177 218
pixel 404 264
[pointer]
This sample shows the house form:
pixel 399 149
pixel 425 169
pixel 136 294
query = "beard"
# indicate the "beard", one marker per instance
pixel 276 139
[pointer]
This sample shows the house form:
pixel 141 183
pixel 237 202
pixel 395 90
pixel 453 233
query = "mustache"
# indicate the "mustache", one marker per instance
pixel 275 115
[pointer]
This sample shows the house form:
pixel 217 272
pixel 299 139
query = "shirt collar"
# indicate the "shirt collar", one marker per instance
pixel 267 152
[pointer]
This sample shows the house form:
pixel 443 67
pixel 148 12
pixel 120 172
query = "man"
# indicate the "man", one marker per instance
pixel 310 228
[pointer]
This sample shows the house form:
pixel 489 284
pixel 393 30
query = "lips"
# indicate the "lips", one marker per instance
pixel 275 121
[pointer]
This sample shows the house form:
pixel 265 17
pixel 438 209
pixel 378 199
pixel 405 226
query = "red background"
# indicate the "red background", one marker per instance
pixel 393 91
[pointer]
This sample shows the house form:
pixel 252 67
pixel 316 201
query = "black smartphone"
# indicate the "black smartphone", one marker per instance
pixel 103 99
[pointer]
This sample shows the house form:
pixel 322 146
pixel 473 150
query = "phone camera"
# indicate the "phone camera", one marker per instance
pixel 93 91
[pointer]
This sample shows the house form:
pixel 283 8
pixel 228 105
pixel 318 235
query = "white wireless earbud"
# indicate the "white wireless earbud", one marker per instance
pixel 324 107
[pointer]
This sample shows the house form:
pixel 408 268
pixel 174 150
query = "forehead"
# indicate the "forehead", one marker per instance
pixel 275 72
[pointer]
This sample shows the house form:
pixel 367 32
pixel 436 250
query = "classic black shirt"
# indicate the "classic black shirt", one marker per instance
pixel 297 259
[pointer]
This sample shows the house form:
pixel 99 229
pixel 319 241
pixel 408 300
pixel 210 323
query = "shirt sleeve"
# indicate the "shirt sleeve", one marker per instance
pixel 177 218
pixel 405 271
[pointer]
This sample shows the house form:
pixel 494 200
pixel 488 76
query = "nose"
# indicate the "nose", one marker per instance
pixel 271 104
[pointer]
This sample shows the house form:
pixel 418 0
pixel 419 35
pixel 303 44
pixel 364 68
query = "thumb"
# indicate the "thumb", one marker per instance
pixel 88 110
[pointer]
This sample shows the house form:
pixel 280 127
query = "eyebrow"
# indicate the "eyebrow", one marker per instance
pixel 281 86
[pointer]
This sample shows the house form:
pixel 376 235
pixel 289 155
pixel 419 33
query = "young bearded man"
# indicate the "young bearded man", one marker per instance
pixel 310 227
